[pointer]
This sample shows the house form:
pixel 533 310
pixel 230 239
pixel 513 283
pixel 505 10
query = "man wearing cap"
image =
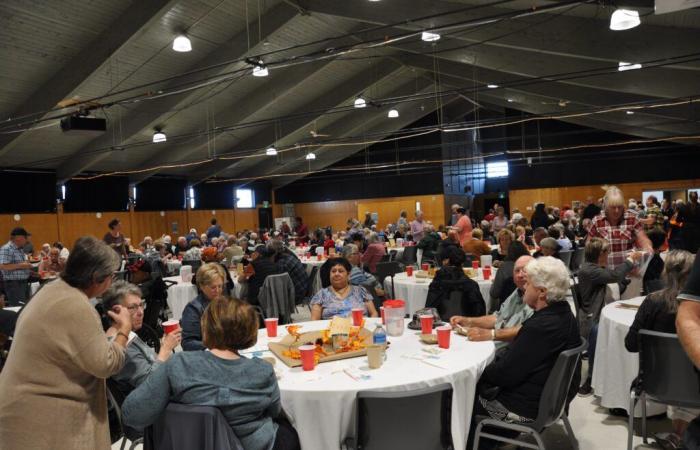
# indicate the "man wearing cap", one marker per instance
pixel 15 268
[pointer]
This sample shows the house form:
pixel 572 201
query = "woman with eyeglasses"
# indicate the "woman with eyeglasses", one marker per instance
pixel 53 384
pixel 141 359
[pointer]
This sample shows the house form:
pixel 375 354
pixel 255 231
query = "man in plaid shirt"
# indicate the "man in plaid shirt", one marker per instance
pixel 621 228
pixel 15 268
pixel 287 262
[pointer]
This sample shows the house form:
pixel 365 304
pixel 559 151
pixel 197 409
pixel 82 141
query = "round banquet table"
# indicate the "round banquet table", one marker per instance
pixel 415 292
pixel 615 368
pixel 180 294
pixel 320 403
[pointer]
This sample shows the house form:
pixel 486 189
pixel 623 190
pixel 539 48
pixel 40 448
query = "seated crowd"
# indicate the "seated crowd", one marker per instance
pixel 62 352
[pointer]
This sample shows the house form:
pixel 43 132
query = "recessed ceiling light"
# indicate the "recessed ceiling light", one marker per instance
pixel 360 102
pixel 427 36
pixel 182 43
pixel 260 70
pixel 393 113
pixel 624 19
pixel 622 66
pixel 311 155
pixel 159 136
pixel 492 86
pixel 271 151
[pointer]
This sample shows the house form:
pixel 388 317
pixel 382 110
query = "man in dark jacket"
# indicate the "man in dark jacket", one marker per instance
pixel 260 267
pixel 429 243
pixel 593 277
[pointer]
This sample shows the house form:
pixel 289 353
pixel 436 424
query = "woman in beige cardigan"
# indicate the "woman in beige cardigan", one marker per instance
pixel 52 389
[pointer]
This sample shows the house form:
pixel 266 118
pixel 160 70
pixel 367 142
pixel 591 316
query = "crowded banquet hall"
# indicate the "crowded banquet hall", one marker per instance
pixel 350 224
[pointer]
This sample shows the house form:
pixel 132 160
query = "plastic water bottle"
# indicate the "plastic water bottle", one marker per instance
pixel 379 335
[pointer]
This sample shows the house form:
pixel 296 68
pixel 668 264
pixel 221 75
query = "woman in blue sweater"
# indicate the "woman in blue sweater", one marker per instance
pixel 245 390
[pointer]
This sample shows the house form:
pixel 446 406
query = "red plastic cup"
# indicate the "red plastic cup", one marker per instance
pixel 487 272
pixel 357 314
pixel 381 312
pixel 319 257
pixel 409 271
pixel 443 336
pixel 475 264
pixel 307 356
pixel 271 325
pixel 170 326
pixel 426 323
pixel 425 267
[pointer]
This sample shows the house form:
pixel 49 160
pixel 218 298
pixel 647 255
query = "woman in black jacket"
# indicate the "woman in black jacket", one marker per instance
pixel 540 218
pixel 451 278
pixel 511 386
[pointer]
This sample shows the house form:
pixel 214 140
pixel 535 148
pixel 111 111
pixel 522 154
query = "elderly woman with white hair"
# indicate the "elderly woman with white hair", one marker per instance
pixel 511 386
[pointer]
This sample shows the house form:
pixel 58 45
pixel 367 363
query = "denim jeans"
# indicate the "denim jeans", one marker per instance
pixel 592 338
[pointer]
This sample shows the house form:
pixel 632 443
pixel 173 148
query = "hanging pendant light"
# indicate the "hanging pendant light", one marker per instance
pixel 182 43
pixel 271 151
pixel 360 102
pixel 260 70
pixel 310 156
pixel 393 114
pixel 159 136
pixel 427 36
pixel 624 19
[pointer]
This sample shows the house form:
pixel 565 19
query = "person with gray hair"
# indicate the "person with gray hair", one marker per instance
pixel 233 253
pixel 141 359
pixel 54 379
pixel 658 313
pixel 358 276
pixel 621 228
pixel 374 252
pixel 521 370
pixel 418 227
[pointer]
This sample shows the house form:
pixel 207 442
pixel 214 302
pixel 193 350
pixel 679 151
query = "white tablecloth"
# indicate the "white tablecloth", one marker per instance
pixel 180 294
pixel 33 287
pixel 321 403
pixel 173 265
pixel 415 292
pixel 615 368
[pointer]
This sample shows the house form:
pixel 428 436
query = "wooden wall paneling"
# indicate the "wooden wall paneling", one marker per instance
pixel 389 209
pixel 323 214
pixel 148 223
pixel 200 219
pixel 176 219
pixel 524 199
pixel 88 224
pixel 43 228
pixel 245 219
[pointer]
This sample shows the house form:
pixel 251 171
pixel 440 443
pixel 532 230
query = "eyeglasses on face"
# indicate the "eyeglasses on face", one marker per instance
pixel 136 307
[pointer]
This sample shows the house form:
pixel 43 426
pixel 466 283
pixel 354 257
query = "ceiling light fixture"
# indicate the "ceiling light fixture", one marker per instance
pixel 393 114
pixel 622 66
pixel 159 136
pixel 510 100
pixel 182 43
pixel 427 36
pixel 629 113
pixel 260 70
pixel 310 156
pixel 492 86
pixel 360 102
pixel 624 19
pixel 271 151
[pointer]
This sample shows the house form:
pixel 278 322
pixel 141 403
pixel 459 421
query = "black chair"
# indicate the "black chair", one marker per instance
pixel 310 290
pixel 195 265
pixel 117 431
pixel 469 257
pixel 410 255
pixel 411 420
pixel 385 258
pixel 551 407
pixel 666 375
pixel 566 257
pixel 577 259
pixel 452 307
pixel 387 269
pixel 392 255
pixel 186 427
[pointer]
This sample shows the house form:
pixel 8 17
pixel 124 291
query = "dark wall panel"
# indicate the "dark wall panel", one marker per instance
pixel 101 194
pixel 27 192
pixel 160 194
